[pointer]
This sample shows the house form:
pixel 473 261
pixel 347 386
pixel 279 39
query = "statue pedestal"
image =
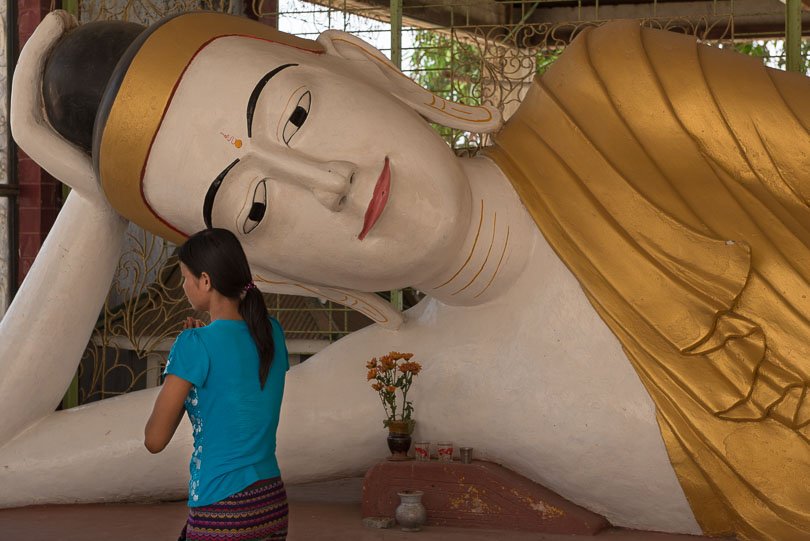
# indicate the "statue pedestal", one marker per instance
pixel 477 495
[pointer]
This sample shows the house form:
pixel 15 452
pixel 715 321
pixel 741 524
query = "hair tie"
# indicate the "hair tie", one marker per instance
pixel 250 285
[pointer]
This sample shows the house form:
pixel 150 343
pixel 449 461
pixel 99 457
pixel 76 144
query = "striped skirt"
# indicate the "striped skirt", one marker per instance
pixel 257 513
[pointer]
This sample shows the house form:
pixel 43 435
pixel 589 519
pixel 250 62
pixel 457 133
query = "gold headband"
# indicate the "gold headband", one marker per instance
pixel 143 97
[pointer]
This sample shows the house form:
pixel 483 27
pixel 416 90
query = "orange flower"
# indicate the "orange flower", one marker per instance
pixel 387 363
pixel 412 367
pixel 384 370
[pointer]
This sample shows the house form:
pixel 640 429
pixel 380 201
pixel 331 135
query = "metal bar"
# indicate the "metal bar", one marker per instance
pixel 793 34
pixel 396 32
pixel 11 152
pixel 522 21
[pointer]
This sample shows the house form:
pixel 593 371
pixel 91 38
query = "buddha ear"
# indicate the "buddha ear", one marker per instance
pixel 370 64
pixel 369 304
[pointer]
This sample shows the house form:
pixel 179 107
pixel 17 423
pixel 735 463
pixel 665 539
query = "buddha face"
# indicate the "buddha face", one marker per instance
pixel 324 177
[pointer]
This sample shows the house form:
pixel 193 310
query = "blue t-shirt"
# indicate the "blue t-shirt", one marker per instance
pixel 234 421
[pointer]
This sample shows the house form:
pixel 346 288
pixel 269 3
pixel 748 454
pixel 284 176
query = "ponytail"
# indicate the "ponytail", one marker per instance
pixel 254 311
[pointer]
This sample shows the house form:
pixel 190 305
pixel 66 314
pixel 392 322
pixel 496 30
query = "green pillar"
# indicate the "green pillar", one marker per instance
pixel 793 34
pixel 396 299
pixel 396 32
pixel 396 58
pixel 71 398
pixel 72 7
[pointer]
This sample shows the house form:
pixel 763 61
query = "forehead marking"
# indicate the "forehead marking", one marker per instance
pixel 231 139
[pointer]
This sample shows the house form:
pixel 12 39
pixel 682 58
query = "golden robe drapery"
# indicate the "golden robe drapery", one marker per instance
pixel 673 179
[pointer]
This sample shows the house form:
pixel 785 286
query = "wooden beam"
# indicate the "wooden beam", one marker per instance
pixel 805 4
pixel 429 13
pixel 755 19
pixel 752 18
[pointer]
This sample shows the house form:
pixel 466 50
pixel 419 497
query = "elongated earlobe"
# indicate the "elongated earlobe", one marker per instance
pixel 370 64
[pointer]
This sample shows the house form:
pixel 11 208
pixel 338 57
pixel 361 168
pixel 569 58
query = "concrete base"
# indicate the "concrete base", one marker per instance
pixel 477 495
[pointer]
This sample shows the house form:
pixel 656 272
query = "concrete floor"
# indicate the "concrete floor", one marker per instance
pixel 309 521
pixel 327 511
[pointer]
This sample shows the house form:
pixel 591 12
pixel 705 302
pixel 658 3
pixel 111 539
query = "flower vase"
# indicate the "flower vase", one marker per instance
pixel 399 438
pixel 410 513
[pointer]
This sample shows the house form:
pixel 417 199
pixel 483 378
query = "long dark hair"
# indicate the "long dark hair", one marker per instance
pixel 218 253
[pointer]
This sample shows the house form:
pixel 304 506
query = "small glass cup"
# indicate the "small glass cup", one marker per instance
pixel 445 451
pixel 421 451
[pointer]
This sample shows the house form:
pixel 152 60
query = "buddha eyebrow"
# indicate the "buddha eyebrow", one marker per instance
pixel 208 204
pixel 257 90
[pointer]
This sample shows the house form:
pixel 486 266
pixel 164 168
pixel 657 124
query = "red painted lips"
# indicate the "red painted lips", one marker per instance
pixel 378 200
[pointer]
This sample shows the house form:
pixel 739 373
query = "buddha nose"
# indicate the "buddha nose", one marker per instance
pixel 329 181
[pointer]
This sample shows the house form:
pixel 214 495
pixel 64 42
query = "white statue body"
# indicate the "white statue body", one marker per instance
pixel 516 361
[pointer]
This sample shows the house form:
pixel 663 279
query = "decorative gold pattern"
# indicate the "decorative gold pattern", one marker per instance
pixel 676 188
pixel 143 313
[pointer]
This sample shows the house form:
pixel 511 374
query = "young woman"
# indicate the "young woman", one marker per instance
pixel 229 377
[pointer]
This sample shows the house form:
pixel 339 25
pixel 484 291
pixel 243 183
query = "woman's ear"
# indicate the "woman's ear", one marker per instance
pixel 205 281
pixel 371 65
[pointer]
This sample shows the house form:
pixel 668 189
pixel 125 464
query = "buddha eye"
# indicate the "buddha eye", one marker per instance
pixel 297 118
pixel 258 208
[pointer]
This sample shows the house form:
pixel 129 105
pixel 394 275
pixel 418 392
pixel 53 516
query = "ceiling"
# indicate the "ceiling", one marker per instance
pixel 744 19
